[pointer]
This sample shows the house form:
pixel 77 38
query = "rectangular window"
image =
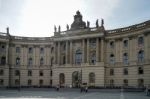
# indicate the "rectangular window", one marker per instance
pixel 30 50
pixel 17 82
pixel 1 72
pixel 125 71
pixel 17 49
pixel 1 82
pixel 111 72
pixel 29 82
pixel 41 73
pixel 41 82
pixel 17 73
pixel 29 72
pixel 41 50
pixel 125 81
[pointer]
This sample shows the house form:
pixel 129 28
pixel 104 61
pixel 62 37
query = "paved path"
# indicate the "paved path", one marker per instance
pixel 70 94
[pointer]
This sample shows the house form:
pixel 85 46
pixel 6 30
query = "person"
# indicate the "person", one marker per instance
pixel 57 88
pixel 148 90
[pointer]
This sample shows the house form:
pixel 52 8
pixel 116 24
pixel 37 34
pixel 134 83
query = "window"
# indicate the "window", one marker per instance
pixel 30 61
pixel 41 50
pixel 1 72
pixel 140 70
pixel 93 58
pixel 3 60
pixel 78 57
pixel 125 71
pixel 112 44
pixel 111 72
pixel 41 82
pixel 17 73
pixel 125 43
pixel 29 82
pixel 51 73
pixel 140 82
pixel 112 59
pixel 41 73
pixel 52 61
pixel 41 61
pixel 17 49
pixel 64 47
pixel 17 61
pixel 52 49
pixel 125 58
pixel 1 82
pixel 64 60
pixel 140 41
pixel 93 43
pixel 91 77
pixel 141 56
pixel 30 50
pixel 3 48
pixel 29 72
pixel 17 82
pixel 125 82
pixel 111 82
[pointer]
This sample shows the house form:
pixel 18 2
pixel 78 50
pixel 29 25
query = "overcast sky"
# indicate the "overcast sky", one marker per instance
pixel 36 18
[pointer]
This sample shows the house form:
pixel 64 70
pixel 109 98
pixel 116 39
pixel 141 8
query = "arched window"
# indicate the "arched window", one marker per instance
pixel 140 41
pixel 61 79
pixel 17 61
pixel 141 56
pixel 64 60
pixel 78 57
pixel 125 58
pixel 91 77
pixel 30 50
pixel 93 58
pixel 41 61
pixel 30 61
pixel 3 60
pixel 112 59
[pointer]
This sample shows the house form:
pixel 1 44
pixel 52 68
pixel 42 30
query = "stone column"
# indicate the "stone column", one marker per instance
pixel 70 52
pixel 102 50
pixel 83 51
pixel 7 56
pixel 55 53
pixel 66 52
pixel 58 54
pixel 87 51
pixel 97 49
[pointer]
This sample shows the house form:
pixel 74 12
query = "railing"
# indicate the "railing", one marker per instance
pixel 130 28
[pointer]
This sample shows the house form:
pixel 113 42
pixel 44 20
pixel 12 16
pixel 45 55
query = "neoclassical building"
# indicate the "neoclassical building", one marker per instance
pixel 81 54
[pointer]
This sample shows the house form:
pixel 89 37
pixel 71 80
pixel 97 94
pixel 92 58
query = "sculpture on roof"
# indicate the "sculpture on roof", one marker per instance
pixel 102 22
pixel 88 24
pixel 67 26
pixel 55 29
pixel 97 24
pixel 59 29
pixel 78 23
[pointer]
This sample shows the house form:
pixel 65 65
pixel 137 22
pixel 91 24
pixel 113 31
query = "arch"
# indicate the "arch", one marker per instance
pixel 75 79
pixel 62 79
pixel 92 79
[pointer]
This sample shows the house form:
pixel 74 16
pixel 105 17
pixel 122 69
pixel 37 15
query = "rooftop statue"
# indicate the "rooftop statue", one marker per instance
pixel 78 23
pixel 55 29
pixel 59 29
pixel 97 24
pixel 102 22
pixel 88 24
pixel 67 26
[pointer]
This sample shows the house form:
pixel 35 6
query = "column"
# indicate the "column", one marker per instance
pixel 97 49
pixel 7 49
pixel 83 51
pixel 66 52
pixel 55 53
pixel 87 51
pixel 102 50
pixel 70 52
pixel 58 54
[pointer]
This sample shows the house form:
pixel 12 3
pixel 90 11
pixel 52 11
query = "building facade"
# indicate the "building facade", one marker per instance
pixel 81 54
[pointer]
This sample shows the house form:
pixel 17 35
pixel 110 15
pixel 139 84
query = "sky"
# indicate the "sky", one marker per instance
pixel 36 18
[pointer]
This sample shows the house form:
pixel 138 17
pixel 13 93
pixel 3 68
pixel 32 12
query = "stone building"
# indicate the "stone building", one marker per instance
pixel 81 54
